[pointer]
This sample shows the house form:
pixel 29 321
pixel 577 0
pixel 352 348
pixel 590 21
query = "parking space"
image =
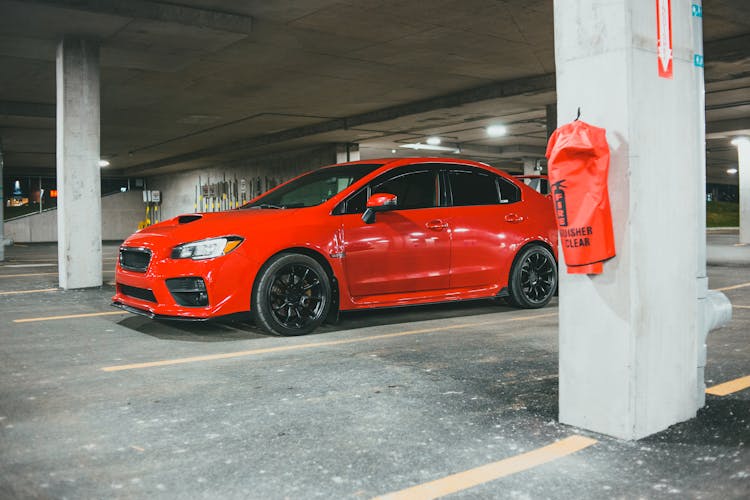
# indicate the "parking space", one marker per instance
pixel 421 402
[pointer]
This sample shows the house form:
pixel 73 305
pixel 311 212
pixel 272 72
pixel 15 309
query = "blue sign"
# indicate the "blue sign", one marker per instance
pixel 698 60
pixel 697 10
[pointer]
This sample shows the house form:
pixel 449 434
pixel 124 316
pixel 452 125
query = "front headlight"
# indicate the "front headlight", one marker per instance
pixel 206 249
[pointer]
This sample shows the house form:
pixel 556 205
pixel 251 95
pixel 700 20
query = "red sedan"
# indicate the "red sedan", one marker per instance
pixel 376 233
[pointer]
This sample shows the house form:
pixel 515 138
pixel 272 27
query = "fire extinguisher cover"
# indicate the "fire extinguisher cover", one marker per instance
pixel 578 165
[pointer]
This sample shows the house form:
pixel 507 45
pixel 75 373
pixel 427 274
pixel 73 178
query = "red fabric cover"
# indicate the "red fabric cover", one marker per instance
pixel 578 165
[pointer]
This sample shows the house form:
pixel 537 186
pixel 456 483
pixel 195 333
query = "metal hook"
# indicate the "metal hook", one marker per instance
pixel 578 115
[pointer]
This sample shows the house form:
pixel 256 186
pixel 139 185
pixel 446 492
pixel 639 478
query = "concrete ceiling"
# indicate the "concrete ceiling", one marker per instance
pixel 192 83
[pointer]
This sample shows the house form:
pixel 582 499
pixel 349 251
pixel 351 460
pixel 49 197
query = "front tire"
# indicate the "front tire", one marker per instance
pixel 533 278
pixel 291 296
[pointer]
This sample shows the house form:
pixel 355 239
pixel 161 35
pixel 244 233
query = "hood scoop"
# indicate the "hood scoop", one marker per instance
pixel 184 219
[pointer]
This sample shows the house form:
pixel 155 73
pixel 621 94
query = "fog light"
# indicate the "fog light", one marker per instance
pixel 188 292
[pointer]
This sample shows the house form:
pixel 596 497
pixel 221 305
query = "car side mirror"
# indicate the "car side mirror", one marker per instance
pixel 379 202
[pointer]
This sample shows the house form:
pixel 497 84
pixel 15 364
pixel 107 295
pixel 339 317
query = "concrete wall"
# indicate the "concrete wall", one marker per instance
pixel 178 190
pixel 121 213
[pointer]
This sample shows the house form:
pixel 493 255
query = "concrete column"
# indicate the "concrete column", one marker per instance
pixel 551 119
pixel 79 213
pixel 347 152
pixel 2 208
pixel 629 337
pixel 743 172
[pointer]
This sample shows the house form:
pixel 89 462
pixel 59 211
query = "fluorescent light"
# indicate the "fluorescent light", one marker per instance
pixel 740 140
pixel 433 141
pixel 497 130
pixel 393 151
pixel 103 163
pixel 731 171
pixel 428 147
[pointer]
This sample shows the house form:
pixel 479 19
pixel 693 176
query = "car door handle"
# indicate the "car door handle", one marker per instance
pixel 513 218
pixel 436 225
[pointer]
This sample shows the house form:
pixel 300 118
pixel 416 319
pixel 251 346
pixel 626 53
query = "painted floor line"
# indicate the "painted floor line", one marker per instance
pixel 296 347
pixel 29 265
pixel 480 475
pixel 740 307
pixel 25 275
pixel 729 387
pixel 68 316
pixel 20 292
pixel 733 287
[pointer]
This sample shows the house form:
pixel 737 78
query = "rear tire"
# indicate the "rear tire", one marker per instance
pixel 291 296
pixel 533 278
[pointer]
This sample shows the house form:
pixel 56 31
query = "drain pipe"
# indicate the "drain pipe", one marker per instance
pixel 714 309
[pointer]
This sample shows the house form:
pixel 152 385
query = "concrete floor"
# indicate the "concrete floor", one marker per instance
pixel 380 402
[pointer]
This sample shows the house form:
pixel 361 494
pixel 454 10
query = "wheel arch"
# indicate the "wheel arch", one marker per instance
pixel 540 243
pixel 320 258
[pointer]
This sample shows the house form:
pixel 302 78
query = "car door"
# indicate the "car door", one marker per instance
pixel 487 226
pixel 406 249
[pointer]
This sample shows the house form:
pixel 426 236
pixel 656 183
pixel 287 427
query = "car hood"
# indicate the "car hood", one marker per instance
pixel 192 227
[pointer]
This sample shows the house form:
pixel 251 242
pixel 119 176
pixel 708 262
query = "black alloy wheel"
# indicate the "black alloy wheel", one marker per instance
pixel 533 278
pixel 292 295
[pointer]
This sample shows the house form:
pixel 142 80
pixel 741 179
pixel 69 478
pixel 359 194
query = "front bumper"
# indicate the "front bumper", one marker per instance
pixel 228 283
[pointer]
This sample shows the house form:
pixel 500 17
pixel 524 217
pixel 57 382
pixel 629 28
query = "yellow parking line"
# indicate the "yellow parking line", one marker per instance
pixel 18 292
pixel 741 307
pixel 730 387
pixel 490 472
pixel 238 354
pixel 68 316
pixel 733 287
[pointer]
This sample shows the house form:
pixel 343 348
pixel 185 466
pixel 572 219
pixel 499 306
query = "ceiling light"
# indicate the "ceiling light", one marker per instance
pixel 740 140
pixel 393 151
pixel 497 130
pixel 433 141
pixel 429 147
pixel 731 171
pixel 103 163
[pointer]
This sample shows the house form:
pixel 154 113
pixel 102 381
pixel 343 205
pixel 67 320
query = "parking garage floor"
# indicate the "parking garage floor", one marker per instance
pixel 412 403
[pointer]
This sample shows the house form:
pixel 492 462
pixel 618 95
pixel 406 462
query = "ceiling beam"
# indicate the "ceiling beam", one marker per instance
pixel 728 50
pixel 724 127
pixel 523 86
pixel 161 11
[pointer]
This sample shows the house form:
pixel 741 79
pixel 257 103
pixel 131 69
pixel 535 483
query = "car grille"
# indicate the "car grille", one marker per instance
pixel 135 259
pixel 138 293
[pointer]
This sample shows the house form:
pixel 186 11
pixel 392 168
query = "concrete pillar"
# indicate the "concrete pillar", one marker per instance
pixel 2 208
pixel 347 152
pixel 743 173
pixel 79 214
pixel 529 166
pixel 629 337
pixel 551 119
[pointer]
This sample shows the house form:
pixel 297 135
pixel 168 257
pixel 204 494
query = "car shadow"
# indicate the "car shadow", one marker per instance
pixel 241 327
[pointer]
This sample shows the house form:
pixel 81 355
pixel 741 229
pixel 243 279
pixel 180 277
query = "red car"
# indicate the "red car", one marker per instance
pixel 375 233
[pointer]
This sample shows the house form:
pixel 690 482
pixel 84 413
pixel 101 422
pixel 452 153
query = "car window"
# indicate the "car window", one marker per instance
pixel 478 187
pixel 414 187
pixel 509 192
pixel 313 188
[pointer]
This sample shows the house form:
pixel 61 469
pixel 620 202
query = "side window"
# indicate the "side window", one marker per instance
pixel 473 187
pixel 509 192
pixel 356 203
pixel 413 188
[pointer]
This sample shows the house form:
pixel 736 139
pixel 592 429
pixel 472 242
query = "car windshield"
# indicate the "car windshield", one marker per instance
pixel 314 188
